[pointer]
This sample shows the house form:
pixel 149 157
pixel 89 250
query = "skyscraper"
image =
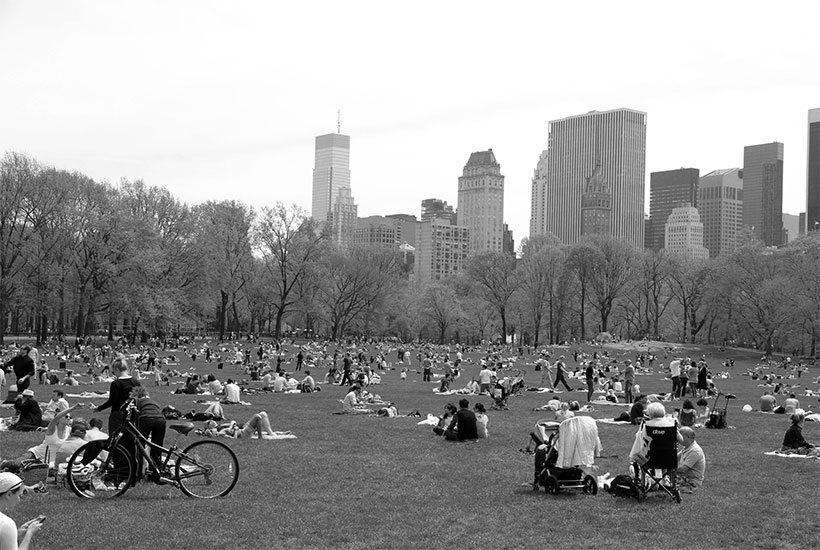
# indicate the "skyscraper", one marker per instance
pixel 683 233
pixel 720 205
pixel 331 173
pixel 616 139
pixel 441 250
pixel 481 202
pixel 668 190
pixel 343 219
pixel 763 192
pixel 813 173
pixel 596 205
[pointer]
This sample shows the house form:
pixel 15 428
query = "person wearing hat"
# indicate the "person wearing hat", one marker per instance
pixel 29 414
pixel 11 488
pixel 23 366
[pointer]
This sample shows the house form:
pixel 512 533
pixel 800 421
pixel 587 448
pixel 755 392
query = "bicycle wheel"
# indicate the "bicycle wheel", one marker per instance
pixel 207 469
pixel 92 472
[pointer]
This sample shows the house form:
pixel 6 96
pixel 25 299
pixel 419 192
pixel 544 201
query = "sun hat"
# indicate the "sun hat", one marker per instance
pixel 9 481
pixel 30 393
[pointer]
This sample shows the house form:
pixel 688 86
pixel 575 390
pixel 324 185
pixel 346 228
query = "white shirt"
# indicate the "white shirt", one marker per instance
pixel 232 393
pixel 674 367
pixel 485 376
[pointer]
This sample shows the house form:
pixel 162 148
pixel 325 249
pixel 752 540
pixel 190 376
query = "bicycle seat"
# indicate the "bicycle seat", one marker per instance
pixel 184 429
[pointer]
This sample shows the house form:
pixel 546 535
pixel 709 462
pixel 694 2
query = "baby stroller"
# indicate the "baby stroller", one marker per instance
pixel 655 469
pixel 567 459
pixel 507 387
pixel 717 418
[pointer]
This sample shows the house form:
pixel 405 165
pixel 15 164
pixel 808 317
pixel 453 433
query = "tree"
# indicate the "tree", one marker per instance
pixel 539 276
pixel 440 303
pixel 493 274
pixel 291 246
pixel 610 272
pixel 689 282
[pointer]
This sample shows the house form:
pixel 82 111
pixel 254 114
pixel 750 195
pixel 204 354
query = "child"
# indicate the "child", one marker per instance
pixel 404 373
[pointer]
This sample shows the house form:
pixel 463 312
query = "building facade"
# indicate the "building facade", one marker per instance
pixel 617 140
pixel 331 173
pixel 720 205
pixel 377 232
pixel 481 202
pixel 667 190
pixel 441 250
pixel 596 205
pixel 812 222
pixel 437 208
pixel 763 192
pixel 683 233
pixel 343 219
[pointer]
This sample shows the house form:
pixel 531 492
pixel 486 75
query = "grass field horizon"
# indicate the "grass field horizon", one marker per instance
pixel 371 482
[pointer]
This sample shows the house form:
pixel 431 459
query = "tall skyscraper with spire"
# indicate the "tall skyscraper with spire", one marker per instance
pixel 619 137
pixel 481 202
pixel 596 204
pixel 332 202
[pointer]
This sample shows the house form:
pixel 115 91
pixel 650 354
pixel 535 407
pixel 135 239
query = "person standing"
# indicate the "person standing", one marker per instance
pixel 674 374
pixel 23 366
pixel 151 424
pixel 485 377
pixel 560 374
pixel 118 393
pixel 703 383
pixel 589 374
pixel 629 380
pixel 347 367
pixel 692 374
pixel 427 369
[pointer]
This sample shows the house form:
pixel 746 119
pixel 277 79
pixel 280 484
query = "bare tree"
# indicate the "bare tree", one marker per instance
pixel 493 274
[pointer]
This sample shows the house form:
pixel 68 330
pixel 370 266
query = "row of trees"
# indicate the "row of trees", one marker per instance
pixel 77 255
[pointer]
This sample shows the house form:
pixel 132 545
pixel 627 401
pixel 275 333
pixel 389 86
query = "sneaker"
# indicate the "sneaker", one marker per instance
pixel 100 485
pixel 89 493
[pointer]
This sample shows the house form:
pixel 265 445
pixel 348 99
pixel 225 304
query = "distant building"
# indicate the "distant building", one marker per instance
pixel 406 227
pixel 763 192
pixel 343 219
pixel 481 202
pixel 801 224
pixel 813 173
pixel 331 173
pixel 667 190
pixel 437 208
pixel 616 139
pixel 441 250
pixel 596 205
pixel 509 242
pixel 791 227
pixel 377 232
pixel 684 233
pixel 720 205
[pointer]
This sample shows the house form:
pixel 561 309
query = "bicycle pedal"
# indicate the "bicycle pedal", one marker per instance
pixel 165 481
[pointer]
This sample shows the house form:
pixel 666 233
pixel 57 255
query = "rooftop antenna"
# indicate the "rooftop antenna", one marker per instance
pixel 338 121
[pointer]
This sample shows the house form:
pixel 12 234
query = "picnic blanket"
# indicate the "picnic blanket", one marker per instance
pixel 785 454
pixel 431 420
pixel 605 402
pixel 89 395
pixel 612 421
pixel 276 435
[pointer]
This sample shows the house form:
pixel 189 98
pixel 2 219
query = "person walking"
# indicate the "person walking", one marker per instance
pixel 560 374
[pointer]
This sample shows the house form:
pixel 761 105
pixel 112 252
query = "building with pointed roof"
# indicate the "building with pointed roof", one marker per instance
pixel 481 202
pixel 596 204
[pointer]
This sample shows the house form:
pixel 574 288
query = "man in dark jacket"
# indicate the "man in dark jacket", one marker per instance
pixel 23 366
pixel 463 426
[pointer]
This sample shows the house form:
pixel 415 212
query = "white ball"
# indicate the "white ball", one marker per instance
pixel 747 408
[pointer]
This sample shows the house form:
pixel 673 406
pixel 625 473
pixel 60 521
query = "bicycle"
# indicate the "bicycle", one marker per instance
pixel 105 469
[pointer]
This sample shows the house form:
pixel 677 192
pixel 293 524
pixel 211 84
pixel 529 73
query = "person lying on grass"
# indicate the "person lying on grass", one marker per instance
pixel 794 442
pixel 258 424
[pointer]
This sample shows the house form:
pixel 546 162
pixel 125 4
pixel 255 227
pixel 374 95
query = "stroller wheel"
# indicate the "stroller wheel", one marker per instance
pixel 551 485
pixel 590 486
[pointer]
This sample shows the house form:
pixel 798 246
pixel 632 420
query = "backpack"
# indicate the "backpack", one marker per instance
pixel 170 413
pixel 623 486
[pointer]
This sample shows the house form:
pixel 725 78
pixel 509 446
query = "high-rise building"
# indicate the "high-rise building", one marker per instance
pixel 343 219
pixel 509 242
pixel 813 173
pixel 668 190
pixel 377 232
pixel 481 202
pixel 406 227
pixel 596 205
pixel 437 208
pixel 331 173
pixel 683 233
pixel 791 227
pixel 617 140
pixel 763 192
pixel 720 205
pixel 441 250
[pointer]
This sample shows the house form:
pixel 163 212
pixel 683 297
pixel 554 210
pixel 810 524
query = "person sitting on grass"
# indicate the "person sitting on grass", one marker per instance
pixel 95 432
pixel 307 385
pixel 688 414
pixel 56 432
pixel 449 412
pixel 351 404
pixel 11 488
pixel 703 410
pixel 794 442
pixel 481 420
pixel 214 385
pixel 463 426
pixel 232 392
pixel 563 413
pixel 30 416
pixel 691 461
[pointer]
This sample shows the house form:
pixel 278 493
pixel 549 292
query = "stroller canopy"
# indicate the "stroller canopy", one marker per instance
pixel 578 442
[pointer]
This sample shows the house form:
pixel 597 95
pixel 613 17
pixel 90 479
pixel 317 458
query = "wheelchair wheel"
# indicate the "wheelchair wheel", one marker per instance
pixel 590 486
pixel 551 485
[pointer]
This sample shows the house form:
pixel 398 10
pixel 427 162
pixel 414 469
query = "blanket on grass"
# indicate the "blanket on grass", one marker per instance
pixel 786 454
pixel 276 435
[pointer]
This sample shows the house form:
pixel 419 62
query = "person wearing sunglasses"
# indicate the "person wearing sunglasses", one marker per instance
pixel 11 489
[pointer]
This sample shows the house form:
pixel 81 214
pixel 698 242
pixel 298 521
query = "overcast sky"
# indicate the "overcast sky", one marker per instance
pixel 222 100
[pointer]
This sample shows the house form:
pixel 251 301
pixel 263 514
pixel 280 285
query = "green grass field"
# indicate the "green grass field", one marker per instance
pixel 368 482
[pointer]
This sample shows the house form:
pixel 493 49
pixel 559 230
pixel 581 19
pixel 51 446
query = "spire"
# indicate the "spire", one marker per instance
pixel 338 121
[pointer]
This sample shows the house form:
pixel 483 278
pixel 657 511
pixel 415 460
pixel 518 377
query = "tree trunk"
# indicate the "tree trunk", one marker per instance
pixel 583 317
pixel 223 313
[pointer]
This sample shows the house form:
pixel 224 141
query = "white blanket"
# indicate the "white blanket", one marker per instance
pixel 578 442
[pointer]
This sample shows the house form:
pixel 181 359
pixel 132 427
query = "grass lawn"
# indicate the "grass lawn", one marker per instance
pixel 368 482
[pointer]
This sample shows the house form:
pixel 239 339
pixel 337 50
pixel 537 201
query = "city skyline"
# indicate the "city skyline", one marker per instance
pixel 223 101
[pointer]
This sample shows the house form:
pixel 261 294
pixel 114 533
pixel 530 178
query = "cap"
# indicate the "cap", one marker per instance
pixel 9 481
pixel 30 393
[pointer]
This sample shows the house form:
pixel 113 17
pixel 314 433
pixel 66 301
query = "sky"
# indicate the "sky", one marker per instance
pixel 223 100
